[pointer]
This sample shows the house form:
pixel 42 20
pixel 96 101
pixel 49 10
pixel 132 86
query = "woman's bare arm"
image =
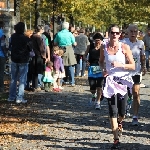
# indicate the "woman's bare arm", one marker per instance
pixel 129 56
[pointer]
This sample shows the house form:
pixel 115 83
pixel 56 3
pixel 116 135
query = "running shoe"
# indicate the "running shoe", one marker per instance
pixel 97 106
pixel 135 122
pixel 56 89
pixel 116 144
pixel 93 99
pixel 18 101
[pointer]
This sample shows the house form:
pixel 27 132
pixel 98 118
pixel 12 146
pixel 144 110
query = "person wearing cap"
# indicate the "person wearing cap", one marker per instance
pixel 82 44
pixel 146 40
pixel 2 60
pixel 66 40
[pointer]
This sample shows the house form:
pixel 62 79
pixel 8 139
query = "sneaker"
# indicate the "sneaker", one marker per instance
pixel 18 101
pixel 83 75
pixel 97 106
pixel 38 89
pixel 10 100
pixel 61 88
pixel 135 122
pixel 128 114
pixel 65 83
pixel 116 144
pixel 46 90
pixel 28 89
pixel 92 101
pixel 120 128
pixel 72 85
pixel 56 89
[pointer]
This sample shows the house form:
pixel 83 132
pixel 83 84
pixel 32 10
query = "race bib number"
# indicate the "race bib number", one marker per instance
pixel 96 69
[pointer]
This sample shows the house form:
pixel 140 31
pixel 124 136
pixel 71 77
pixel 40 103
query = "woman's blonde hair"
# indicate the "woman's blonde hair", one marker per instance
pixel 28 33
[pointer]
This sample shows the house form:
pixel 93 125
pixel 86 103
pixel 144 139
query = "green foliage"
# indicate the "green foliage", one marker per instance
pixel 93 12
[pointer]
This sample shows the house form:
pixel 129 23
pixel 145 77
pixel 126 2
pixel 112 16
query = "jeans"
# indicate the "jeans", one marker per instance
pixel 40 83
pixel 29 76
pixel 2 69
pixel 147 54
pixel 69 70
pixel 77 69
pixel 18 72
pixel 77 66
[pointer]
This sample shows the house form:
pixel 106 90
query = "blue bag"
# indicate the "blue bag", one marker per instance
pixel 94 72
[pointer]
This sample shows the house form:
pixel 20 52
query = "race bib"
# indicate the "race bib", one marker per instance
pixel 96 69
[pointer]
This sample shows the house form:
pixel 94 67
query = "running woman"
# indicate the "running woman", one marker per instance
pixel 117 80
pixel 95 76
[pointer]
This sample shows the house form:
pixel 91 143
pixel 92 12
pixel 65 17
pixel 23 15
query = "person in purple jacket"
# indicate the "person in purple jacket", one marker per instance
pixel 58 69
pixel 62 69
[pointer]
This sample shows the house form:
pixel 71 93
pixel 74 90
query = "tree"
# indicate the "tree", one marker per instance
pixel 94 12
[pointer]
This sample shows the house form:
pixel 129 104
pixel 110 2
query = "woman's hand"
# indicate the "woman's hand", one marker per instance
pixel 105 73
pixel 46 60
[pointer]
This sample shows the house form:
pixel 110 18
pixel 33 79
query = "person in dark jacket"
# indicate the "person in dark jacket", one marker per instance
pixel 38 61
pixel 20 49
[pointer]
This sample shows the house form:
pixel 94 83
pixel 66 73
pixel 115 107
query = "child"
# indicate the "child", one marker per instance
pixel 58 68
pixel 62 70
pixel 47 79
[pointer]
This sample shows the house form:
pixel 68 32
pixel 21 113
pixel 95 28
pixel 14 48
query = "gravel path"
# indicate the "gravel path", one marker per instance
pixel 66 121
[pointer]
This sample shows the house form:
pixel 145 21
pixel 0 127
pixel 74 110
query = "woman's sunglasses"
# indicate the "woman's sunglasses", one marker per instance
pixel 117 33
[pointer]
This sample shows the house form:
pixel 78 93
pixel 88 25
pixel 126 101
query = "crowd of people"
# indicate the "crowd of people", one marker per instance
pixel 115 65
